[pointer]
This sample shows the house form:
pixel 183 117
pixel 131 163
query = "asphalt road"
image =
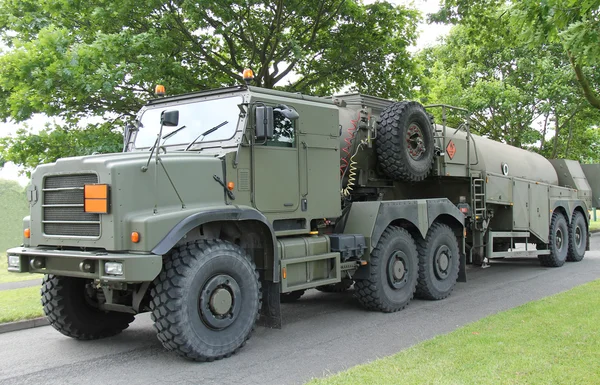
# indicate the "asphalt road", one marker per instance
pixel 322 334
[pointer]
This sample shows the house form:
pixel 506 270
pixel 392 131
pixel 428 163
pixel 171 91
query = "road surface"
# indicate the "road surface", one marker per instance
pixel 322 334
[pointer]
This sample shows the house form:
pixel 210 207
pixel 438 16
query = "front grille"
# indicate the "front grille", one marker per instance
pixel 63 206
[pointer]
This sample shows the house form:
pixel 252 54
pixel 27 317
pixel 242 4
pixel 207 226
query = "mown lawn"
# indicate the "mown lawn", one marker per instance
pixel 555 340
pixel 20 304
pixel 5 276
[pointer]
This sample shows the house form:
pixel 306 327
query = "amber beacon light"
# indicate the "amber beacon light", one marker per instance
pixel 248 76
pixel 95 198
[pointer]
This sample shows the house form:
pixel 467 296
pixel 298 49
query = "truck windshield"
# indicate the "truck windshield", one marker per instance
pixel 196 116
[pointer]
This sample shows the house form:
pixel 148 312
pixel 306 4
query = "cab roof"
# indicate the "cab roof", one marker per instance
pixel 226 90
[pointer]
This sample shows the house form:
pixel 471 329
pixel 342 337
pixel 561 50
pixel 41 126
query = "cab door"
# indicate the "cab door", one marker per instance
pixel 275 169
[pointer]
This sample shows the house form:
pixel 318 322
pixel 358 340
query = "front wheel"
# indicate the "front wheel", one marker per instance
pixel 393 274
pixel 70 310
pixel 206 300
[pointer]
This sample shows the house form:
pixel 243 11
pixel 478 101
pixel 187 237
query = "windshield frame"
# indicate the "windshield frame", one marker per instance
pixel 239 123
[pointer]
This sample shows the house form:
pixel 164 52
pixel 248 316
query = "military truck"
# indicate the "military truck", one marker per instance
pixel 226 202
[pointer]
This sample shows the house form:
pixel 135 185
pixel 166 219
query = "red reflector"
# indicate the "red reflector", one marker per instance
pixel 464 210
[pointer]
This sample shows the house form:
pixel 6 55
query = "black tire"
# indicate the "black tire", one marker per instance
pixel 69 310
pixel 206 300
pixel 558 242
pixel 394 268
pixel 405 143
pixel 439 262
pixel 339 287
pixel 292 296
pixel 578 236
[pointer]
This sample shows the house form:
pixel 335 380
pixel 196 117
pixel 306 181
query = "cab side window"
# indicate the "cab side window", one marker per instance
pixel 284 130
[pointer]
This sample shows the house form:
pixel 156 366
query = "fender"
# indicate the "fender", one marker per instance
pixel 372 218
pixel 569 205
pixel 226 213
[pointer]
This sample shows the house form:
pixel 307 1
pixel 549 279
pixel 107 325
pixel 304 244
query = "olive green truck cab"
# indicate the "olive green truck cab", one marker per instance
pixel 226 202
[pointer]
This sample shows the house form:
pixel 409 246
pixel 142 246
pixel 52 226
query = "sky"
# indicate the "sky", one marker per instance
pixel 428 35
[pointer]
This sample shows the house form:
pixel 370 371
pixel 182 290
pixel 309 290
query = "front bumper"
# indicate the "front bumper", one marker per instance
pixel 83 264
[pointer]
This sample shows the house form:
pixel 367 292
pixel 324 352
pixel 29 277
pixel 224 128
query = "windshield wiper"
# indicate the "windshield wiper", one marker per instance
pixel 203 135
pixel 170 134
pixel 165 137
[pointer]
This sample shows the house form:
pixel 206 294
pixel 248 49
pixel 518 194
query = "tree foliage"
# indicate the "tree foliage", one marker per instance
pixel 76 59
pixel 56 141
pixel 573 25
pixel 519 93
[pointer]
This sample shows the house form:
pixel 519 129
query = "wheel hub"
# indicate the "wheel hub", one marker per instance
pixel 441 262
pixel 558 241
pixel 578 236
pixel 220 301
pixel 415 142
pixel 397 270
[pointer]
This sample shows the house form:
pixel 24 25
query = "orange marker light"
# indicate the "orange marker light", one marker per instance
pixel 159 90
pixel 283 273
pixel 27 233
pixel 230 186
pixel 135 237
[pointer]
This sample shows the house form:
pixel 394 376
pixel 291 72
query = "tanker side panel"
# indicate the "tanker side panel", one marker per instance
pixel 499 189
pixel 520 205
pixel 539 210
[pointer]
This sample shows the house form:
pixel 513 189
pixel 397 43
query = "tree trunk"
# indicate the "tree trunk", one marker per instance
pixel 544 132
pixel 556 132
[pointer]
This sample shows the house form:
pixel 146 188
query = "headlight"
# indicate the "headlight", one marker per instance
pixel 113 268
pixel 14 262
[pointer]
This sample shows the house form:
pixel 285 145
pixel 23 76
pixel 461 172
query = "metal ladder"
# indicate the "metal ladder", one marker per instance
pixel 478 202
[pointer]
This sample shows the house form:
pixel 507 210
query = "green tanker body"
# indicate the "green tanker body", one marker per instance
pixel 226 202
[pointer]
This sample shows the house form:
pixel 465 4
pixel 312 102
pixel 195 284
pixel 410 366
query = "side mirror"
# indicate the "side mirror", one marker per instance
pixel 169 118
pixel 264 122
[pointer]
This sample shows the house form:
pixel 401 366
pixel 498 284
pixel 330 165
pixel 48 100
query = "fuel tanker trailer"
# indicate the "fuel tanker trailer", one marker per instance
pixel 508 195
pixel 226 202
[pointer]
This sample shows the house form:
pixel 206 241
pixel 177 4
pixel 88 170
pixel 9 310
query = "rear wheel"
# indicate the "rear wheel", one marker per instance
pixel 206 300
pixel 70 310
pixel 439 261
pixel 393 273
pixel 558 242
pixel 578 235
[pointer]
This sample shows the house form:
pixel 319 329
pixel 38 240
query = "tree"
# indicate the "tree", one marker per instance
pixel 573 25
pixel 517 93
pixel 74 60
pixel 30 150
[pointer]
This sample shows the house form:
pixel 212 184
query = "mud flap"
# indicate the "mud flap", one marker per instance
pixel 462 268
pixel 270 313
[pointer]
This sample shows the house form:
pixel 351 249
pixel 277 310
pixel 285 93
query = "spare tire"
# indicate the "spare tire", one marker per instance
pixel 404 142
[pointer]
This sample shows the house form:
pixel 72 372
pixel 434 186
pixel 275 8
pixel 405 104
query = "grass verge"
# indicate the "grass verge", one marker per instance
pixel 20 304
pixel 5 276
pixel 555 340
